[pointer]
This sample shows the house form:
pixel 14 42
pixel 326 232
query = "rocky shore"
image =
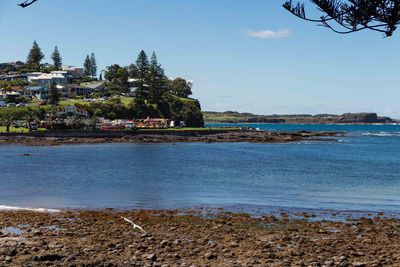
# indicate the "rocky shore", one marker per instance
pixel 104 238
pixel 231 136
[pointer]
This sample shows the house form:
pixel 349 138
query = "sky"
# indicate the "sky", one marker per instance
pixel 241 55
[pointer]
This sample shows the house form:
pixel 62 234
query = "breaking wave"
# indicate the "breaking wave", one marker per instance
pixel 382 134
pixel 43 210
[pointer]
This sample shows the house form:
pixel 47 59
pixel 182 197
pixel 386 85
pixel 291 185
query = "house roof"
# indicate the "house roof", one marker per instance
pixel 47 76
pixel 93 85
pixel 36 88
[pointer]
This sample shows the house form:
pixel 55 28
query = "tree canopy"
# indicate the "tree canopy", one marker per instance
pixel 54 96
pixel 35 56
pixel 90 66
pixel 57 60
pixel 352 15
pixel 117 77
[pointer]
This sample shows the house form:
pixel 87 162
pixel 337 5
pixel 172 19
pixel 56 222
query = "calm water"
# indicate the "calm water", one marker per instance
pixel 361 172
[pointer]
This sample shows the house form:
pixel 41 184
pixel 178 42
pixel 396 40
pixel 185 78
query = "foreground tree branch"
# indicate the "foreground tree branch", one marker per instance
pixel 352 15
pixel 27 3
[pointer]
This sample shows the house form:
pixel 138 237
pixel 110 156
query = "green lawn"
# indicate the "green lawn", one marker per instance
pixel 71 102
pixel 126 100
pixel 13 130
pixel 18 130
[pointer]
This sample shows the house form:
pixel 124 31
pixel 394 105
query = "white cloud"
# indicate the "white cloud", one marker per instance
pixel 270 34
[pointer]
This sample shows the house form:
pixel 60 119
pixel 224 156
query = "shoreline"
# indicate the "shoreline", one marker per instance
pixel 55 139
pixel 303 123
pixel 171 238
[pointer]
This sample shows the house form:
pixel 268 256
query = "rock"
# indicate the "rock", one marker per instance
pixel 8 251
pixel 322 231
pixel 151 257
pixel 49 257
pixel 210 256
pixel 233 244
pixel 359 264
pixel 164 243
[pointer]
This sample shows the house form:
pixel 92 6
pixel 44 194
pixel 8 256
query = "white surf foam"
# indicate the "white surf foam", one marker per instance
pixel 383 134
pixel 43 210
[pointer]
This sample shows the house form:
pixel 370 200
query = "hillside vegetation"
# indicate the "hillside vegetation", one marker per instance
pixel 236 117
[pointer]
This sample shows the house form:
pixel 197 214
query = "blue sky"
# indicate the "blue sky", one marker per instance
pixel 249 56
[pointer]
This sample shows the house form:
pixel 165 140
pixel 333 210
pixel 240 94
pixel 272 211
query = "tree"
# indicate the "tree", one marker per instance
pixel 180 87
pixel 87 66
pixel 117 77
pixel 57 60
pixel 132 69
pixel 95 118
pixel 8 116
pixel 35 56
pixel 54 96
pixel 352 15
pixel 30 115
pixel 93 65
pixel 156 80
pixel 142 64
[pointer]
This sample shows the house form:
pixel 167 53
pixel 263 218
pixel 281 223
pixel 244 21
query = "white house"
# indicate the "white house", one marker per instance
pixel 38 92
pixel 47 78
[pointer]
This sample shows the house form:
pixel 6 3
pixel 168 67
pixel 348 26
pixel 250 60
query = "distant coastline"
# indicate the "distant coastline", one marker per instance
pixel 347 118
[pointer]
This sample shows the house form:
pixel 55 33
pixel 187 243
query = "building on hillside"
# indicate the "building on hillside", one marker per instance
pixel 18 89
pixel 12 66
pixel 68 77
pixel 69 90
pixel 9 96
pixel 72 111
pixel 47 78
pixel 37 92
pixel 74 72
pixel 14 77
pixel 95 86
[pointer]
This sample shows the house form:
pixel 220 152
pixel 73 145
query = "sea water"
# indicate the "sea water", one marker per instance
pixel 360 172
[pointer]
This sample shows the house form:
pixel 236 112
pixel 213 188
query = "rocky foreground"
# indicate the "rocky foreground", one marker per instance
pixel 104 238
pixel 231 136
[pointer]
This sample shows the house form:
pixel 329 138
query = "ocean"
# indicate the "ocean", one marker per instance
pixel 360 172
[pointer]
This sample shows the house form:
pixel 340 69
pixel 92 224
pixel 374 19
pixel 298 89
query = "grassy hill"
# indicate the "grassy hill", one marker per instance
pixel 236 117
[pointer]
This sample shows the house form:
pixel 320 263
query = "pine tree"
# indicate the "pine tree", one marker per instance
pixel 54 96
pixel 93 65
pixel 142 64
pixel 87 66
pixel 101 77
pixel 157 85
pixel 35 57
pixel 57 60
